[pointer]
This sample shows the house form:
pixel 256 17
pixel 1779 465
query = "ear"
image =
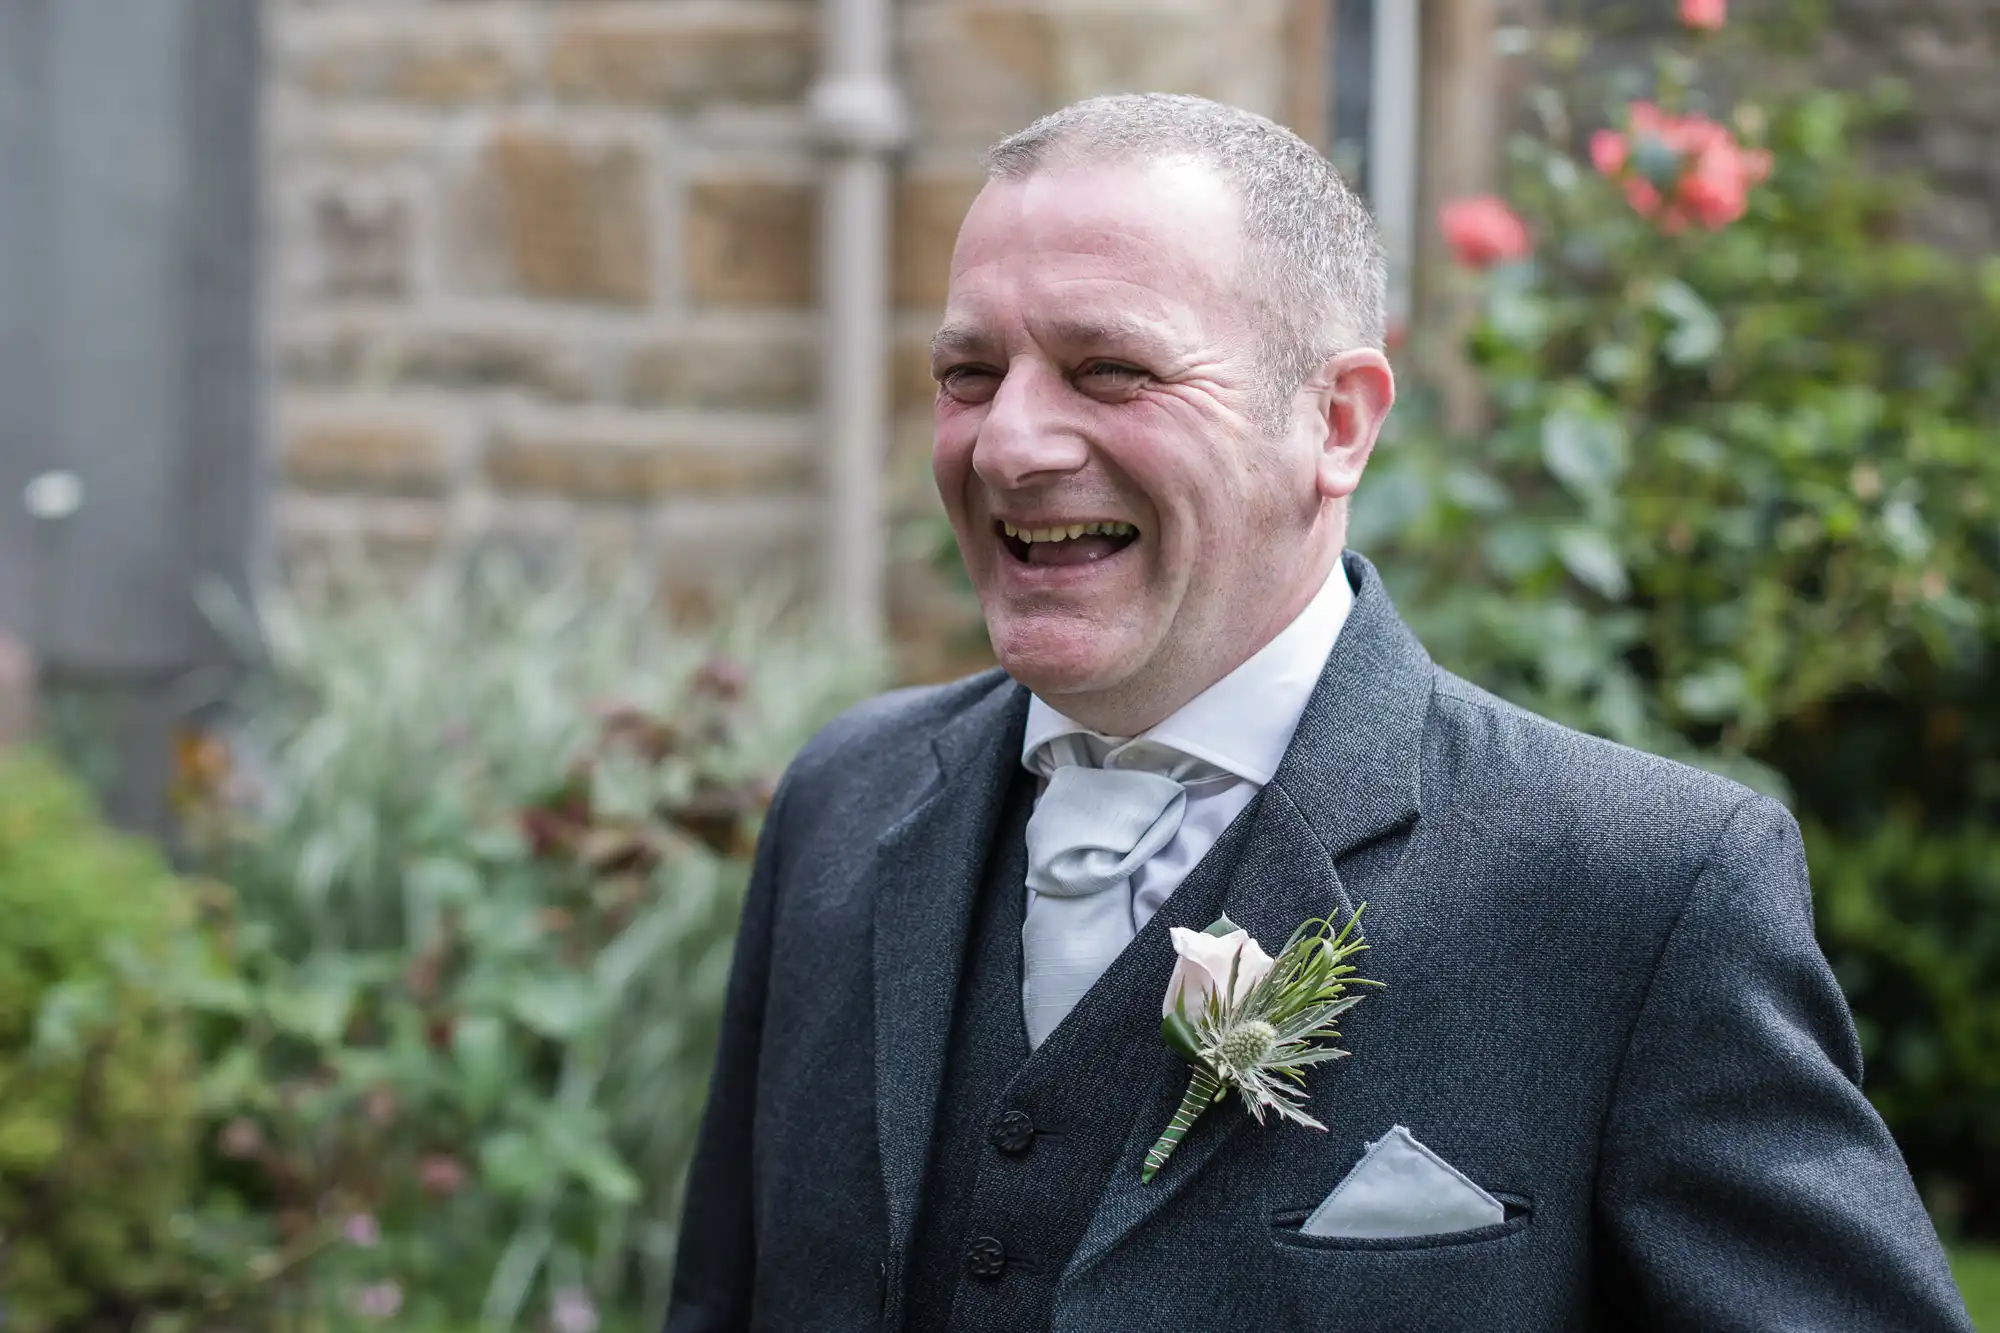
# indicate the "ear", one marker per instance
pixel 1350 396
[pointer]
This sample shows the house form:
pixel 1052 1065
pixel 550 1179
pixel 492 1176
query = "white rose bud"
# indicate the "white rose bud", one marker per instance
pixel 1203 967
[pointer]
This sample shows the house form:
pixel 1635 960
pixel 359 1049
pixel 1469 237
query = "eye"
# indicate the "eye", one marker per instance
pixel 1109 375
pixel 968 384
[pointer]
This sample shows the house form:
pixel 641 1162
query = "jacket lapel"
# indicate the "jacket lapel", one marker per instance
pixel 926 870
pixel 1350 776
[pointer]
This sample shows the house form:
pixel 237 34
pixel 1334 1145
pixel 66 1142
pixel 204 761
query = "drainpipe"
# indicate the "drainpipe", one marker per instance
pixel 857 115
pixel 1392 142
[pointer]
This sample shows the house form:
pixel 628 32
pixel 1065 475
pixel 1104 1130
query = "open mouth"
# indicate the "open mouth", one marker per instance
pixel 1065 544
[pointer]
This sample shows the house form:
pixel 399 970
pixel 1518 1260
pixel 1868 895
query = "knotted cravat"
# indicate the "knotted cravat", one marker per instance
pixel 1107 810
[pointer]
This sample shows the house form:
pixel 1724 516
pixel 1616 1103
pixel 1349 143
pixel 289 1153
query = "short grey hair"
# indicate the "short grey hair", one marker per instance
pixel 1324 282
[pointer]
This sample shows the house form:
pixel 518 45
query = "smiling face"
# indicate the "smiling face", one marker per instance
pixel 1135 521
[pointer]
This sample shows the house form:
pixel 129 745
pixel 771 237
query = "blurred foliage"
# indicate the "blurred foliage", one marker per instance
pixel 1736 504
pixel 489 839
pixel 1978 1274
pixel 98 1070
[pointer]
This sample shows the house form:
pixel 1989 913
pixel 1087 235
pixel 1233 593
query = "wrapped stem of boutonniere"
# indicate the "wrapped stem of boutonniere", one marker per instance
pixel 1249 1022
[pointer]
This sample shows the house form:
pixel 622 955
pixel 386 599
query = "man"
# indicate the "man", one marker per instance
pixel 1608 1081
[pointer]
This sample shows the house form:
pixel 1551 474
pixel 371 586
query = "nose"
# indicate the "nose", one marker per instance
pixel 1026 438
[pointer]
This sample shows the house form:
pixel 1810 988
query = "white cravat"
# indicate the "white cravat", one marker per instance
pixel 1238 728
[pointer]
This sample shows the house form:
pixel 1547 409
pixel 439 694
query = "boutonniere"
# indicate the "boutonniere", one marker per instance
pixel 1248 1022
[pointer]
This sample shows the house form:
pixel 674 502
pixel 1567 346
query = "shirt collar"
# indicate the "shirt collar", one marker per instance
pixel 1244 722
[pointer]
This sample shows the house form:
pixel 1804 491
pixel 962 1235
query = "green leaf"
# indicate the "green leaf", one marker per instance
pixel 235 1082
pixel 1594 560
pixel 516 1164
pixel 604 1174
pixel 1905 530
pixel 501 844
pixel 70 1013
pixel 1712 693
pixel 313 1009
pixel 1181 1038
pixel 443 881
pixel 479 1044
pixel 212 993
pixel 557 1007
pixel 1515 550
pixel 1696 332
pixel 1475 491
pixel 1585 453
pixel 1221 926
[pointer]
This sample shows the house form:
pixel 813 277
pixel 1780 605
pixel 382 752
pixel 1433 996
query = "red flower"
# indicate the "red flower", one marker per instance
pixel 1482 231
pixel 1608 152
pixel 1707 15
pixel 1679 169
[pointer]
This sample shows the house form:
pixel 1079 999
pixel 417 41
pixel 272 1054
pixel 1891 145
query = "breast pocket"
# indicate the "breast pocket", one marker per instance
pixel 1286 1233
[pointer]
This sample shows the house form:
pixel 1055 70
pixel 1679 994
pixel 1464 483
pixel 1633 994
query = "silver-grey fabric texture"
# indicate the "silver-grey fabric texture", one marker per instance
pixel 1401 1189
pixel 1602 1000
pixel 1102 816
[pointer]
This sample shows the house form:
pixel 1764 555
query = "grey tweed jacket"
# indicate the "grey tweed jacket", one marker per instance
pixel 1603 1003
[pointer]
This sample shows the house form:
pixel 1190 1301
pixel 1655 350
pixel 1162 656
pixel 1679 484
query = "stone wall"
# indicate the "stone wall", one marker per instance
pixel 548 268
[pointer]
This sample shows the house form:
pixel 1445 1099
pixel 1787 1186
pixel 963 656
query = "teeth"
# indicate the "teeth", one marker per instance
pixel 1068 531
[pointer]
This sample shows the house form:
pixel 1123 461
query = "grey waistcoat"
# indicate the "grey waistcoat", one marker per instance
pixel 1025 1143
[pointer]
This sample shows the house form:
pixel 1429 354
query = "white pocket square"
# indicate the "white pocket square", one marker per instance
pixel 1401 1188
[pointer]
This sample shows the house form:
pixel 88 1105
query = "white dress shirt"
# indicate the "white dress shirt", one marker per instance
pixel 1242 724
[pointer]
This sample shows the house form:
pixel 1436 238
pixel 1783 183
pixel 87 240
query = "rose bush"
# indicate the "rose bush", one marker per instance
pixel 1736 503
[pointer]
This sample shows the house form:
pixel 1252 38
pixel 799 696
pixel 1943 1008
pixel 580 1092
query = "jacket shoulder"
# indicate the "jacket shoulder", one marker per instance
pixel 1616 815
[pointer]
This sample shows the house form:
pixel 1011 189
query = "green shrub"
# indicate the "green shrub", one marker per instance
pixel 98 1099
pixel 1978 1273
pixel 1738 505
pixel 490 839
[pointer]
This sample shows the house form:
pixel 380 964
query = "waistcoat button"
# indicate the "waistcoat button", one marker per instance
pixel 1013 1133
pixel 985 1258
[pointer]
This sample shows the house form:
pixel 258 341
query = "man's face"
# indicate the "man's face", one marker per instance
pixel 1098 370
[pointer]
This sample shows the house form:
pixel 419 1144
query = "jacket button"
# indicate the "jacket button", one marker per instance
pixel 985 1258
pixel 1013 1133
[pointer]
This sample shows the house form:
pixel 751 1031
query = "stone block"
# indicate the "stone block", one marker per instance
pixel 706 366
pixel 464 57
pixel 540 362
pixel 363 239
pixel 980 70
pixel 1234 52
pixel 634 458
pixel 710 553
pixel 752 243
pixel 348 137
pixel 398 349
pixel 928 210
pixel 563 215
pixel 318 355
pixel 369 450
pixel 679 58
pixel 321 538
pixel 976 71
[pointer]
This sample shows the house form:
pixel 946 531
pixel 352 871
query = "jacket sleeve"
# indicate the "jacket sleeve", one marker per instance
pixel 715 1270
pixel 1745 1183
